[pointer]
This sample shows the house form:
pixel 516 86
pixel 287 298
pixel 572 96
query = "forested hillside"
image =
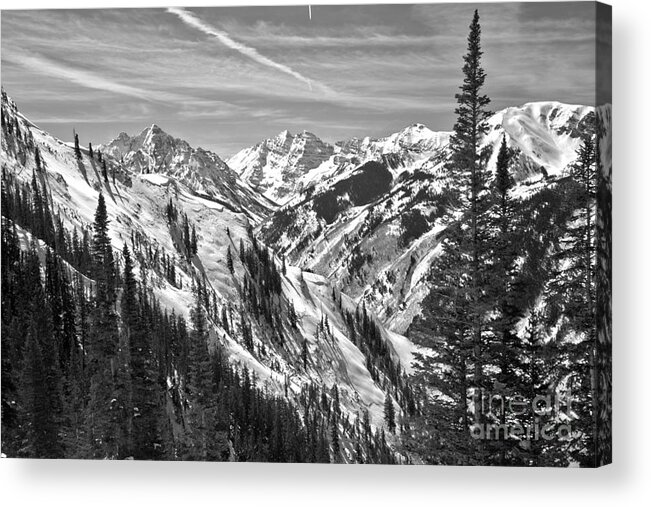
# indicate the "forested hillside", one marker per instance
pixel 131 330
pixel 423 297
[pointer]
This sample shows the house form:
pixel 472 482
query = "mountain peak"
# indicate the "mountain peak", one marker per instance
pixel 284 134
pixel 415 126
pixel 154 131
pixel 418 129
pixel 275 166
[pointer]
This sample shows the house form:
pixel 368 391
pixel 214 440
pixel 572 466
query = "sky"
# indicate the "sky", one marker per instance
pixel 224 78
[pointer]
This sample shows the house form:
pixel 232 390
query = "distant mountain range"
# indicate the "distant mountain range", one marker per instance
pixel 369 219
pixel 358 211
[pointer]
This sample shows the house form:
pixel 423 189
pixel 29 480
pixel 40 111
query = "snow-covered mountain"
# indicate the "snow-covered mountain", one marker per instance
pixel 545 134
pixel 275 166
pixel 153 151
pixel 301 342
pixel 416 138
pixel 370 217
pixel 283 166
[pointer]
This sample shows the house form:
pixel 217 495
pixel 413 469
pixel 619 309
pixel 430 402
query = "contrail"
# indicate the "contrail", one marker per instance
pixel 223 37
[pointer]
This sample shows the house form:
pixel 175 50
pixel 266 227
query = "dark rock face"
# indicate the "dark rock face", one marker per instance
pixel 365 185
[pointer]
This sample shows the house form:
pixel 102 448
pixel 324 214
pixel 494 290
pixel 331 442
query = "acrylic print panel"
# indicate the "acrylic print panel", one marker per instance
pixel 340 234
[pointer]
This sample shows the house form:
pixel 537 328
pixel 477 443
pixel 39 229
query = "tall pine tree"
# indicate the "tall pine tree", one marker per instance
pixel 453 321
pixel 105 408
pixel 144 390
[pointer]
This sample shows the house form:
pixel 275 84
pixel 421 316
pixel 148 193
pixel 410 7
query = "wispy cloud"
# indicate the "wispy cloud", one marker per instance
pixel 75 120
pixel 41 65
pixel 250 52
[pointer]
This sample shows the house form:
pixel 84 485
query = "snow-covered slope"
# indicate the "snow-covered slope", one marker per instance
pixel 546 134
pixel 153 169
pixel 377 241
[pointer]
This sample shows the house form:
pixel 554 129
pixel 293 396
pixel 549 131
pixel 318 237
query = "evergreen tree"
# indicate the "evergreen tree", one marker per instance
pixel 104 264
pixel 504 352
pixel 224 319
pixel 304 354
pixel 334 436
pixel 468 167
pixel 145 409
pixel 199 381
pixel 186 237
pixel 106 408
pixel 389 413
pixel 37 159
pixel 458 301
pixel 229 260
pixel 193 241
pixel 77 150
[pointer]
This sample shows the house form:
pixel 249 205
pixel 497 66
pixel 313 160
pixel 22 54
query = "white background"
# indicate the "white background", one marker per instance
pixel 627 482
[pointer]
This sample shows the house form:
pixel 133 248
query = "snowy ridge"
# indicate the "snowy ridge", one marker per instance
pixel 153 151
pixel 285 165
pixel 415 138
